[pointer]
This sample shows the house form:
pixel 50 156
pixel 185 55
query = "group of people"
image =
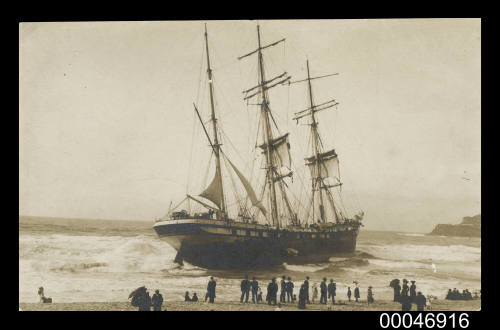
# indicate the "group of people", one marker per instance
pixel 457 295
pixel 194 298
pixel 286 294
pixel 408 295
pixel 142 299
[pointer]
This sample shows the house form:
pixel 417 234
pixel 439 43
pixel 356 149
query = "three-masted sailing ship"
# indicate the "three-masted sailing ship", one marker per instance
pixel 215 240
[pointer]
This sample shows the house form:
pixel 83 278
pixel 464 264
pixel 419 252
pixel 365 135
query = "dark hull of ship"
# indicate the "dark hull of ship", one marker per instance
pixel 216 244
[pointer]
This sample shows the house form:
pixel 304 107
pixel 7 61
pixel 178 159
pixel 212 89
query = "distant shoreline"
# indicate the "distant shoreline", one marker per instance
pixel 379 305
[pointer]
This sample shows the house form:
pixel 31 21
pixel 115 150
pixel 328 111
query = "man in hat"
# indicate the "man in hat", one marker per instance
pixel 255 288
pixel 306 288
pixel 405 289
pixel 289 290
pixel 420 301
pixel 211 289
pixel 332 291
pixel 157 300
pixel 245 289
pixel 323 289
pixel 413 291
pixel 283 289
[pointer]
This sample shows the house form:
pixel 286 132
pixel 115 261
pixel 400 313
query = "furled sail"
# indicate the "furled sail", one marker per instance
pixel 214 190
pixel 280 150
pixel 329 165
pixel 249 189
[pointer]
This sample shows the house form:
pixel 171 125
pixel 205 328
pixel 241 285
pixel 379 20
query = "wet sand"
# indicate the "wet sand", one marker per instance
pixel 382 305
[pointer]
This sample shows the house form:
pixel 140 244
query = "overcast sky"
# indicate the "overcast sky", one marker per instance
pixel 107 128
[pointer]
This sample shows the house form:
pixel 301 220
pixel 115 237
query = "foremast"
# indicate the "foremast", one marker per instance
pixel 216 144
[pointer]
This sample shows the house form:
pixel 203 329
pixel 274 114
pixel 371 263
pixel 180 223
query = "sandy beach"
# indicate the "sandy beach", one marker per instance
pixel 382 305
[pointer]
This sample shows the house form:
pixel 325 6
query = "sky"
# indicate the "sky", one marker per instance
pixel 107 128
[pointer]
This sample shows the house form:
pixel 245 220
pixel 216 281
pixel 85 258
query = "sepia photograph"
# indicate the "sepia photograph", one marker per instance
pixel 250 165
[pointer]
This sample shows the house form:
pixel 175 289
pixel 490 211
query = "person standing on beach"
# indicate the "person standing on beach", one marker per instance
pixel 157 301
pixel 283 289
pixel 255 288
pixel 356 293
pixel 405 289
pixel 272 292
pixel 145 301
pixel 315 292
pixel 332 291
pixel 245 289
pixel 306 287
pixel 397 290
pixel 413 291
pixel 302 297
pixel 349 293
pixel 289 290
pixel 370 296
pixel 323 290
pixel 211 289
pixel 420 301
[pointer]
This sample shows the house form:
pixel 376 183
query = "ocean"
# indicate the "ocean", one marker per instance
pixel 78 260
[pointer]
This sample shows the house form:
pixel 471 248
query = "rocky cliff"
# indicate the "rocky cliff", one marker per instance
pixel 469 227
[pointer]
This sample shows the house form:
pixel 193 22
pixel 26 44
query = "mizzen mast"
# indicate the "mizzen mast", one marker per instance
pixel 321 164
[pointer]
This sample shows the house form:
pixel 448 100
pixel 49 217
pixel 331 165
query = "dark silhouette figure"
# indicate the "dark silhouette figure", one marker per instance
pixel 405 289
pixel 187 297
pixel 272 292
pixel 332 291
pixel 157 301
pixel 356 294
pixel 420 301
pixel 370 296
pixel 145 302
pixel 413 291
pixel 254 286
pixel 245 289
pixel 349 293
pixel 259 297
pixel 449 294
pixel 283 289
pixel 306 288
pixel 141 299
pixel 211 290
pixel 194 298
pixel 323 290
pixel 289 290
pixel 302 297
pixel 405 303
pixel 397 290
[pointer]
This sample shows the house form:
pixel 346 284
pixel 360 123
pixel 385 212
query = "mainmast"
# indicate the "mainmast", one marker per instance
pixel 216 144
pixel 270 146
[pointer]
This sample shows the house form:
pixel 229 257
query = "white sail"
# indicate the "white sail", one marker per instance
pixel 248 188
pixel 329 165
pixel 214 190
pixel 280 150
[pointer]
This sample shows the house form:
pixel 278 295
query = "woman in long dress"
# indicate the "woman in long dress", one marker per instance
pixel 315 292
pixel 302 297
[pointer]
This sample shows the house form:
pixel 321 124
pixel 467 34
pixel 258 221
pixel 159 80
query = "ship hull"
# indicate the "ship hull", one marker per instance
pixel 216 244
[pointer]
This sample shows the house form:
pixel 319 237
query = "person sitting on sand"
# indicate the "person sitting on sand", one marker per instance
pixel 194 298
pixel 43 299
pixel 259 295
pixel 186 296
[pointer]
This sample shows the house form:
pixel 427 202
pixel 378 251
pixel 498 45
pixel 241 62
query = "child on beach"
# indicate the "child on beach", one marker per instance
pixel 315 292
